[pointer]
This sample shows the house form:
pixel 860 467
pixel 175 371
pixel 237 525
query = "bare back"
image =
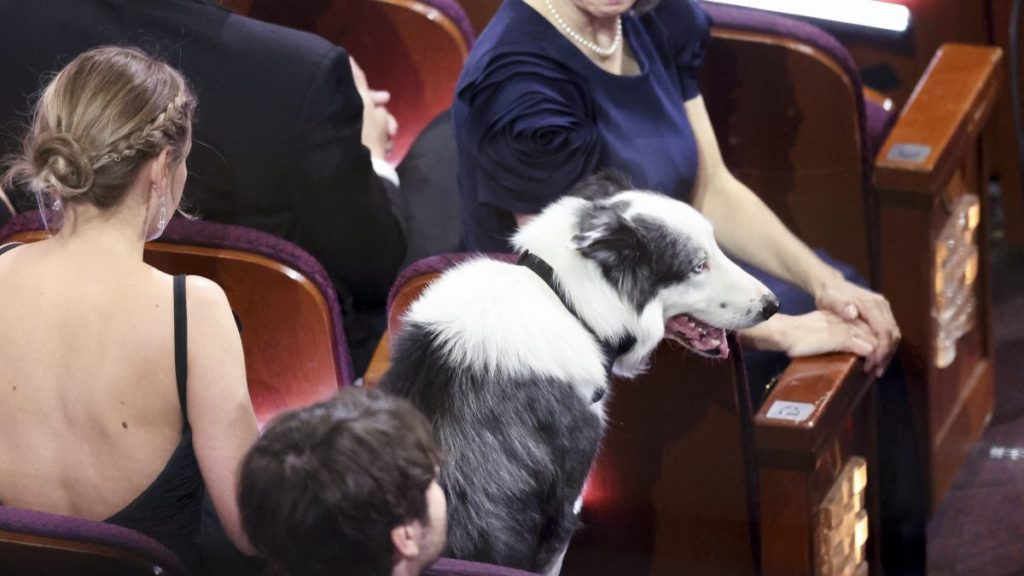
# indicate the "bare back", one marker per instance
pixel 89 409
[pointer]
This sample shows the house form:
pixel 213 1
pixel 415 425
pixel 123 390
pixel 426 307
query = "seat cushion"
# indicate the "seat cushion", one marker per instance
pixel 70 528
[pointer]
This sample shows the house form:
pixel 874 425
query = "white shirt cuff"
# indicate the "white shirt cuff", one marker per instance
pixel 386 171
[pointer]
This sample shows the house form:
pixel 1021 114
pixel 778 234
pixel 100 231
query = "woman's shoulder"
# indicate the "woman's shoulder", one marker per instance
pixel 673 14
pixel 205 296
pixel 682 25
pixel 517 41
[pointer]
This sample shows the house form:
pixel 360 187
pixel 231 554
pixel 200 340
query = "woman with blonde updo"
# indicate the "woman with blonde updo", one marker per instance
pixel 117 402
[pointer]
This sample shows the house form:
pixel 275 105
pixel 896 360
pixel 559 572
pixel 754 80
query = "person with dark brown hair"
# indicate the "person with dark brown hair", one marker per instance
pixel 346 486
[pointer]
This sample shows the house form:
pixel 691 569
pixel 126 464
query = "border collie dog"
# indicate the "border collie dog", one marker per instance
pixel 511 362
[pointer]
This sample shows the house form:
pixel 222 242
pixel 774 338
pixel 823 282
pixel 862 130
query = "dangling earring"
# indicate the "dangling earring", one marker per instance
pixel 162 223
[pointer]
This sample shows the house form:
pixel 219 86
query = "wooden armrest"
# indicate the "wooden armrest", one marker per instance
pixel 379 364
pixel 878 98
pixel 812 399
pixel 819 415
pixel 944 114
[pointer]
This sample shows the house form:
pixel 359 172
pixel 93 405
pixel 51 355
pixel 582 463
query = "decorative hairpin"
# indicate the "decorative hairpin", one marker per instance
pixel 116 156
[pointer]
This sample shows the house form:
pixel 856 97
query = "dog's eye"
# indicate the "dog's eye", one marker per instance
pixel 698 267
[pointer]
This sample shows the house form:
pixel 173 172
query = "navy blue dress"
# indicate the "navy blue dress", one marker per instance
pixel 533 115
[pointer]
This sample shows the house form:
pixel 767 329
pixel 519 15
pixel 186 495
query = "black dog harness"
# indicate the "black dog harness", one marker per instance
pixel 609 350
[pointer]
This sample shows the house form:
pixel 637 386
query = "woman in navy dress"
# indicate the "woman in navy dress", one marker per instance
pixel 556 89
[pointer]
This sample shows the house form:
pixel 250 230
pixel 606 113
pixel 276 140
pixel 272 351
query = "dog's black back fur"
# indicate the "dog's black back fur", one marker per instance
pixel 516 453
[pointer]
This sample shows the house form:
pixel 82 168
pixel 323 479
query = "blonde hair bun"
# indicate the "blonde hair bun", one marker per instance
pixel 62 169
pixel 97 123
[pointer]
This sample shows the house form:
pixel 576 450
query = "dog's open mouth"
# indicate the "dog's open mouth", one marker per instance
pixel 698 336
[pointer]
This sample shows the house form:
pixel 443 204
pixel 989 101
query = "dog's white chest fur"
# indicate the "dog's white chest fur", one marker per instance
pixel 503 320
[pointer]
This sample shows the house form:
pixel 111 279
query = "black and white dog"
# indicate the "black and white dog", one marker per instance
pixel 510 362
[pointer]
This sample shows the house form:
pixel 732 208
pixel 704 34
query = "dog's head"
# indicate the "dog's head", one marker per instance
pixel 656 250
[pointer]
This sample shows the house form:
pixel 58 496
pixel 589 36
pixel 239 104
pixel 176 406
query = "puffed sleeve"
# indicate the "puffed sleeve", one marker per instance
pixel 687 31
pixel 531 130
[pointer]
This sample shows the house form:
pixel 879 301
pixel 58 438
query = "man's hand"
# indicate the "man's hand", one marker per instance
pixel 379 126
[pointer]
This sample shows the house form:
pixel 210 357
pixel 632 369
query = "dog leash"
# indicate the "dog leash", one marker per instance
pixel 610 350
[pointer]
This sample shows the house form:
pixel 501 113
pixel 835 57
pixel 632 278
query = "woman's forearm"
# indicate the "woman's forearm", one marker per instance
pixel 744 225
pixel 746 228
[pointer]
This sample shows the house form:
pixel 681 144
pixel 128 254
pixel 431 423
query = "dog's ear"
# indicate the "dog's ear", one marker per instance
pixel 603 184
pixel 606 236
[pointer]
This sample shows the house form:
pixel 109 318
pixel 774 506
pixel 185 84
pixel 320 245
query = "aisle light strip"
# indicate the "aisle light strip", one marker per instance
pixel 870 13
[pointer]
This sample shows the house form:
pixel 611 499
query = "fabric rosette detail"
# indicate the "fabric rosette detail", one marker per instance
pixel 534 131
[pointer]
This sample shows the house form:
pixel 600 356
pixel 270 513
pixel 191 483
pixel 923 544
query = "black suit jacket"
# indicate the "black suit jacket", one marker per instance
pixel 277 136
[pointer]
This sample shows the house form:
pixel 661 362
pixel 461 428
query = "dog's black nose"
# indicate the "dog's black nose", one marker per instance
pixel 769 306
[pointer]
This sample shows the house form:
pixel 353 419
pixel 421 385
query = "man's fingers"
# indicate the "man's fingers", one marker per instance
pixel 358 76
pixel 392 126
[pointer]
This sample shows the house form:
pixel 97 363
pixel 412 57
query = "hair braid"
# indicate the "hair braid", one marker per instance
pixel 140 138
pixel 98 122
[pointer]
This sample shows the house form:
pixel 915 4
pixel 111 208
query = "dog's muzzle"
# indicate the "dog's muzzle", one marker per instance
pixel 769 306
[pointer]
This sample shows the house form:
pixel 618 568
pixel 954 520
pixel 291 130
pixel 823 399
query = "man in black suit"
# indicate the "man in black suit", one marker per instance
pixel 278 142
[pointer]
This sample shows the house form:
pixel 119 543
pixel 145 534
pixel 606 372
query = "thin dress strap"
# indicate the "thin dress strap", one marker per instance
pixel 7 247
pixel 181 341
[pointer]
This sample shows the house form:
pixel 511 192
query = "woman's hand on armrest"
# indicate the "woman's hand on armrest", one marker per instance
pixel 819 332
pixel 853 302
pixel 219 409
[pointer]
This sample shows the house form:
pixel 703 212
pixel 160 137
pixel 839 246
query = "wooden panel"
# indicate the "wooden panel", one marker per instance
pixel 406 47
pixel 947 114
pixel 798 461
pixel 786 119
pixel 668 494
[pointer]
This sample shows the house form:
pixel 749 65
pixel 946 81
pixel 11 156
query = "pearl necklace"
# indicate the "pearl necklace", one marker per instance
pixel 590 45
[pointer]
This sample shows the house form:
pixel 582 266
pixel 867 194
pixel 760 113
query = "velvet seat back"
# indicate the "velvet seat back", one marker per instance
pixel 34 542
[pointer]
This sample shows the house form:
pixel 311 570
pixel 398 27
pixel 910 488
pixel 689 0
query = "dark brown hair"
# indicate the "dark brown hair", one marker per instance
pixel 98 122
pixel 324 486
